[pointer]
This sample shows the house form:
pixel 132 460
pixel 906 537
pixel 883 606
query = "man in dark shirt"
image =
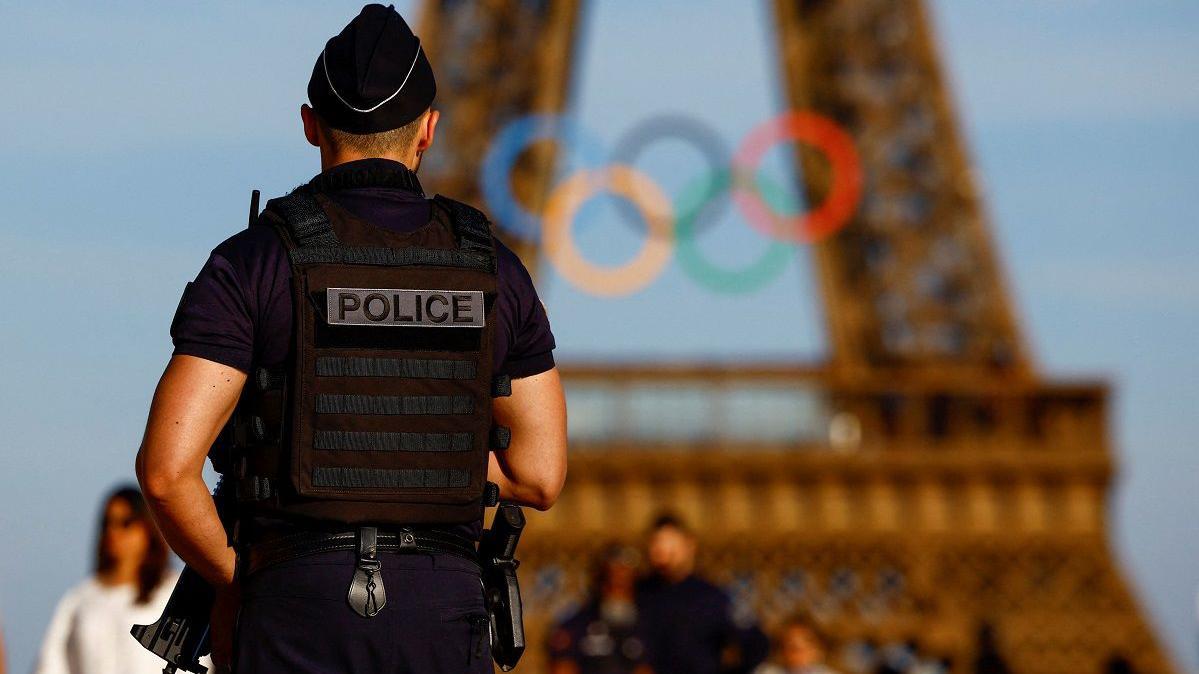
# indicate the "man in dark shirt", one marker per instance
pixel 689 622
pixel 372 120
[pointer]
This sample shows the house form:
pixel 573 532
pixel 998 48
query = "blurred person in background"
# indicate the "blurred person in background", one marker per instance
pixel 988 659
pixel 1118 664
pixel 3 655
pixel 897 658
pixel 130 584
pixel 688 622
pixel 800 649
pixel 605 635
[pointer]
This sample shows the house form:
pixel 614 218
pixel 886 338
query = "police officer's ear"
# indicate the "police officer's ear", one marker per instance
pixel 424 139
pixel 312 125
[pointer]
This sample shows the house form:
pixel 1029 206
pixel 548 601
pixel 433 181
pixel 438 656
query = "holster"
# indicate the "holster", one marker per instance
pixel 497 553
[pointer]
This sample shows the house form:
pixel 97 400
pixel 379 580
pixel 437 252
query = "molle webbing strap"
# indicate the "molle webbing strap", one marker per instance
pixel 316 242
pixel 501 386
pixel 268 379
pixel 501 437
pixel 409 368
pixel 371 441
pixel 384 478
pixel 332 403
pixel 391 257
pixel 471 228
pixel 254 488
pixel 491 494
pixel 305 219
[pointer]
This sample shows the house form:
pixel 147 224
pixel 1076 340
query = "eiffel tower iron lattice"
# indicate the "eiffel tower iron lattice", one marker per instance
pixel 933 481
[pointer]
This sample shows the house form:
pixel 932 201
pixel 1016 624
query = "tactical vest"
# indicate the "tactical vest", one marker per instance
pixel 383 413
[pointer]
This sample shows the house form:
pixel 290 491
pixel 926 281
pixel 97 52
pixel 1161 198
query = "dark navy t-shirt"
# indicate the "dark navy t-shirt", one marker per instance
pixel 238 311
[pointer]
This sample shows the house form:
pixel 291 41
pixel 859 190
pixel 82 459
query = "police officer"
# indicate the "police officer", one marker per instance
pixel 370 368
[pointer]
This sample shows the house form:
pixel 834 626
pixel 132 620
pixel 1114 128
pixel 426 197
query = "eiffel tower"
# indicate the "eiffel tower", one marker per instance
pixel 934 481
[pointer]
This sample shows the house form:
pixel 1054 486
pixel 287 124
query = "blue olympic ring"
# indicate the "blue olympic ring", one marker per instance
pixel 507 146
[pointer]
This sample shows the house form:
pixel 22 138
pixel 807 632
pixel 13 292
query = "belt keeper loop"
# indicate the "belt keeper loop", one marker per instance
pixel 368 545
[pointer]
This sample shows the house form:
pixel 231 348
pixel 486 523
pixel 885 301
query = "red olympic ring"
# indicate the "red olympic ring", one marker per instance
pixel 843 194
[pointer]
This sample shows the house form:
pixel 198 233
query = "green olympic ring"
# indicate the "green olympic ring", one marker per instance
pixel 690 205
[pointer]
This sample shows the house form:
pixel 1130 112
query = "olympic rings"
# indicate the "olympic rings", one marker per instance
pixel 844 191
pixel 765 209
pixel 511 141
pixel 569 196
pixel 671 126
pixel 690 205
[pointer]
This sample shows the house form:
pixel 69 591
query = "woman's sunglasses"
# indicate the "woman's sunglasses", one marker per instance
pixel 119 522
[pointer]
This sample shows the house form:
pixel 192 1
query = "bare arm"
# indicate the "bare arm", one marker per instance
pixel 194 399
pixel 533 468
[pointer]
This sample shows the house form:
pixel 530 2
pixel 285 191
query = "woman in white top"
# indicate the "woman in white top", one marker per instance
pixel 89 633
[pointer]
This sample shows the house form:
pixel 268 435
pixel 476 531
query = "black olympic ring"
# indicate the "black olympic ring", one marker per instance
pixel 680 127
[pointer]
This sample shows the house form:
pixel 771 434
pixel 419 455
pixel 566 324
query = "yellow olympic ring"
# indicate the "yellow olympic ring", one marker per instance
pixel 625 279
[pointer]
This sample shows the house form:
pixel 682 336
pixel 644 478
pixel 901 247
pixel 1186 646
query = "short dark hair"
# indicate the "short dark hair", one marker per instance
pixel 376 144
pixel 669 520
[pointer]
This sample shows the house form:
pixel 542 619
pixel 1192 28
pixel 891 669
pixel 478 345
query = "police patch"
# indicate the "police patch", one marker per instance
pixel 405 308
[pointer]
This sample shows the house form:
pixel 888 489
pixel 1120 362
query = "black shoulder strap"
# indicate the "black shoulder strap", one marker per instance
pixel 304 219
pixel 470 227
pixel 311 240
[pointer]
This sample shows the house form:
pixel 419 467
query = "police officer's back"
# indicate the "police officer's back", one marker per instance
pixel 354 338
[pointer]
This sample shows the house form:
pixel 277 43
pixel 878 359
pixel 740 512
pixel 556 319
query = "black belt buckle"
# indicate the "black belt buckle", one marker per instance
pixel 367 595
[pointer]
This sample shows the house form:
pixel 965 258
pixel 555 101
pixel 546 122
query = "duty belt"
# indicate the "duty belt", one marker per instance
pixel 404 540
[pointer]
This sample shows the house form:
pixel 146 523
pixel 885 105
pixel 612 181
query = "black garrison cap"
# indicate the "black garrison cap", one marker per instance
pixel 373 76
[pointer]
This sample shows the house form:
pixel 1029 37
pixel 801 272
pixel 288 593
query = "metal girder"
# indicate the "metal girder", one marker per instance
pixel 496 60
pixel 912 282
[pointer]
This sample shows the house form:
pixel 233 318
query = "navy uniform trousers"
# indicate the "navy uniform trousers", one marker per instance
pixel 294 618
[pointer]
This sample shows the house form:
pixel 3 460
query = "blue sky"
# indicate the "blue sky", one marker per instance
pixel 134 133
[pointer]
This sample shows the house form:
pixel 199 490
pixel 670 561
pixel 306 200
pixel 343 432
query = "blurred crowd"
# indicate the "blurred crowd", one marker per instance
pixel 672 621
pixel 667 620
